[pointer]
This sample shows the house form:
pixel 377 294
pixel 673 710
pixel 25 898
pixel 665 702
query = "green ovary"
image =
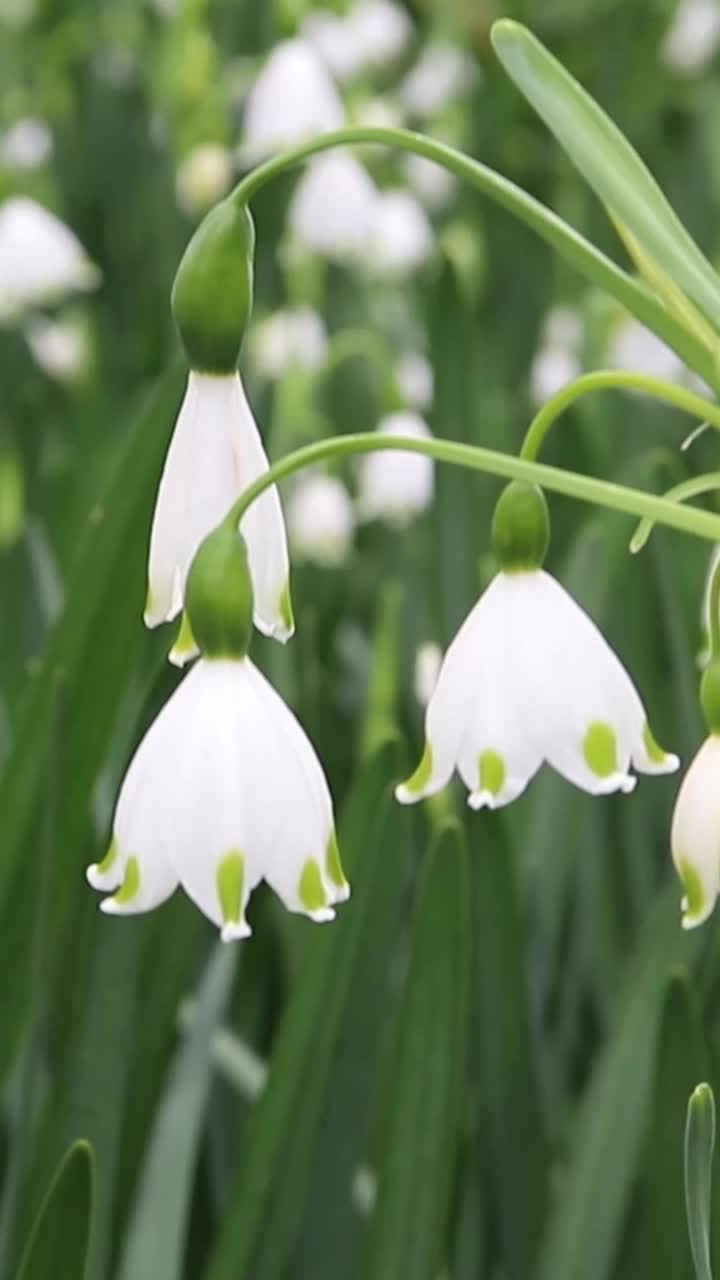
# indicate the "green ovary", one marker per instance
pixel 600 749
pixel 491 772
pixel 230 878
pixel 130 887
pixel 692 884
pixel 310 889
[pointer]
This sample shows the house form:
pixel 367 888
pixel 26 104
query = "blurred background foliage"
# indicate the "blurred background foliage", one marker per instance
pixel 482 1069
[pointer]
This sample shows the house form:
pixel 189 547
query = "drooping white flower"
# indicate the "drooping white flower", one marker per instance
pixel 428 661
pixel 552 369
pixel 637 349
pixel 416 380
pixel 400 235
pixel 562 326
pixel 321 519
pixel 329 34
pixel 695 833
pixel 442 73
pixel 530 679
pixel 225 790
pixel 432 182
pixel 693 36
pixel 40 258
pixel 372 34
pixel 292 98
pixel 393 485
pixel 26 145
pixel 294 337
pixel 59 347
pixel 214 454
pixel 333 207
pixel 204 176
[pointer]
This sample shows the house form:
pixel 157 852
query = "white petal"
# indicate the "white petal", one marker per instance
pixel 321 519
pixel 401 236
pixel 333 206
pixel 40 257
pixel 293 98
pixel 695 834
pixel 396 485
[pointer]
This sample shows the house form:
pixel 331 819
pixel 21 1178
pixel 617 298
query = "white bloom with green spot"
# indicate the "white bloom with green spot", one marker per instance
pixel 225 790
pixel 215 453
pixel 530 679
pixel 695 834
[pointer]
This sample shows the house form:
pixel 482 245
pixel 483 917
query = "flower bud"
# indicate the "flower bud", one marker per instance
pixel 521 527
pixel 213 289
pixel 219 596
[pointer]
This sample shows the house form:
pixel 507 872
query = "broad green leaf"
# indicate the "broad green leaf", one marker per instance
pixel 408 1232
pixel 58 1244
pixel 267 1199
pixel 699 1147
pixel 607 162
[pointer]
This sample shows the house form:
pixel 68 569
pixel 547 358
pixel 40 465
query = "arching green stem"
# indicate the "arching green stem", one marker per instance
pixel 603 380
pixel 679 493
pixel 714 612
pixel 601 493
pixel 564 239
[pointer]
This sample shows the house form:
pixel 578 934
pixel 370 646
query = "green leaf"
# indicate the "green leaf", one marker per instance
pixel 58 1244
pixel 607 162
pixel 699 1145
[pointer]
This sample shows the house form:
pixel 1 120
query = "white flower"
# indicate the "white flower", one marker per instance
pixel 693 36
pixel 527 679
pixel 415 378
pixel 428 660
pixel 329 34
pixel 562 326
pixel 26 145
pixel 377 112
pixel 551 370
pixel 637 349
pixel 695 834
pixel 295 337
pixel 321 519
pixel 370 35
pixel 395 485
pixel 204 176
pixel 225 790
pixel 292 98
pixel 442 73
pixel 214 454
pixel 432 182
pixel 400 235
pixel 59 347
pixel 333 206
pixel 40 258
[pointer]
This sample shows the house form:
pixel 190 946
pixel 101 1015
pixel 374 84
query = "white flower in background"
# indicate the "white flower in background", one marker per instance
pixel 330 36
pixel 434 184
pixel 40 258
pixel 26 145
pixel 562 327
pixel 428 661
pixel 321 519
pixel 225 790
pixel 204 176
pixel 400 236
pixel 167 9
pixel 16 13
pixel 396 485
pixel 377 112
pixel 293 338
pixel 214 454
pixel 441 75
pixel 370 35
pixel 529 679
pixel 333 206
pixel 415 379
pixel 695 834
pixel 638 350
pixel 292 98
pixel 693 37
pixel 551 370
pixel 59 347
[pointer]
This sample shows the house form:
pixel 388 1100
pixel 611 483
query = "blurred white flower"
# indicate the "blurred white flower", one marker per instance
pixel 292 98
pixel 428 660
pixel 16 13
pixel 395 485
pixel 529 678
pixel 225 790
pixel 40 258
pixel 378 112
pixel 693 36
pixel 442 73
pixel 637 349
pixel 329 35
pixel 333 206
pixel 551 370
pixel 214 454
pixel 370 35
pixel 294 337
pixel 203 177
pixel 26 145
pixel 59 347
pixel 321 519
pixel 400 236
pixel 166 8
pixel 562 327
pixel 415 378
pixel 434 184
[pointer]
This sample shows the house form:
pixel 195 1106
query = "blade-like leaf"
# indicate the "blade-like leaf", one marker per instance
pixel 699 1146
pixel 58 1243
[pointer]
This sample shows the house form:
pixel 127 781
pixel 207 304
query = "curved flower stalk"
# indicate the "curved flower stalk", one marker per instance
pixel 529 679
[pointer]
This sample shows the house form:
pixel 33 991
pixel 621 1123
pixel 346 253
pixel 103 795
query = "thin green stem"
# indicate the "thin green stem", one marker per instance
pixel 679 493
pixel 714 612
pixel 605 379
pixel 602 493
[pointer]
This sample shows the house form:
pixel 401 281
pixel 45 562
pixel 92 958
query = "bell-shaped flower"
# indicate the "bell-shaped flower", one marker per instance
pixel 400 235
pixel 40 258
pixel 396 486
pixel 443 73
pixel 529 679
pixel 225 789
pixel 321 519
pixel 295 337
pixel 370 35
pixel 292 98
pixel 415 379
pixel 333 207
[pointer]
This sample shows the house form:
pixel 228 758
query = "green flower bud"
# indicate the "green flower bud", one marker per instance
pixel 213 289
pixel 521 527
pixel 710 695
pixel 219 596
